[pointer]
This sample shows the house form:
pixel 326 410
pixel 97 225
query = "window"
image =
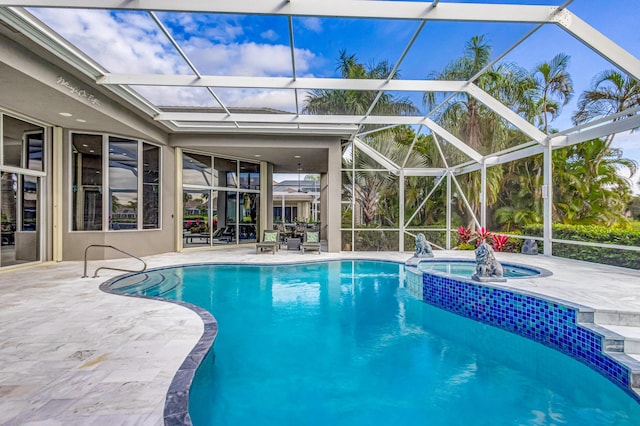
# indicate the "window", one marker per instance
pixel 249 175
pixel 123 183
pixel 133 176
pixel 22 144
pixel 226 170
pixel 196 170
pixel 87 182
pixel 221 204
pixel 150 186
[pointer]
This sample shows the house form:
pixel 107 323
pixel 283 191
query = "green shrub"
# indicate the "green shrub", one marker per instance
pixel 466 246
pixel 597 234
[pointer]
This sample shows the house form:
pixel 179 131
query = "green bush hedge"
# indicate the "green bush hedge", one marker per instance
pixel 597 234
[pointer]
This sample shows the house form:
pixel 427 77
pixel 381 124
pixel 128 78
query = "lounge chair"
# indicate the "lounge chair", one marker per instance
pixel 270 242
pixel 311 242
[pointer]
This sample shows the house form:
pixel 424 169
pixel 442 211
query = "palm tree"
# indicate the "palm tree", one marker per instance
pixel 358 102
pixel 475 124
pixel 464 109
pixel 553 89
pixel 611 93
pixel 376 192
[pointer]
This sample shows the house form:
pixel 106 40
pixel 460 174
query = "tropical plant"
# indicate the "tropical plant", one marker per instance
pixel 375 192
pixel 611 93
pixel 553 89
pixel 499 241
pixel 358 102
pixel 475 124
pixel 483 234
pixel 470 120
pixel 464 235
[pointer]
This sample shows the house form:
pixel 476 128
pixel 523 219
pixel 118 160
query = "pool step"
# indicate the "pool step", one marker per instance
pixel 631 337
pixel 617 318
pixel 156 284
pixel 620 342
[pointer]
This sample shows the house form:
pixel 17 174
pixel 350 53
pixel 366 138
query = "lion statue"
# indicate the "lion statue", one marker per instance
pixel 487 266
pixel 423 249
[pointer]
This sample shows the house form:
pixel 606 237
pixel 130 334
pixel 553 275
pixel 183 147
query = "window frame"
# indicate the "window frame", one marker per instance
pixel 105 191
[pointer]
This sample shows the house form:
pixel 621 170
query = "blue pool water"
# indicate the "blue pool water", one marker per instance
pixel 342 343
pixel 466 268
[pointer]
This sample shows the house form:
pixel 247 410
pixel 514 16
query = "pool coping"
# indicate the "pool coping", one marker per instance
pixel 176 407
pixel 542 272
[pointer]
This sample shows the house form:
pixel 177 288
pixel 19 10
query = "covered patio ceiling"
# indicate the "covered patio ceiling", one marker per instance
pixel 221 112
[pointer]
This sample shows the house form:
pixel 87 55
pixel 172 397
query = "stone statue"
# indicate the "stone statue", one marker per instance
pixel 487 267
pixel 423 249
pixel 530 247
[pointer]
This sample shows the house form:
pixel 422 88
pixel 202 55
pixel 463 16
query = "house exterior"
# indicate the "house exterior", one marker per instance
pixel 296 201
pixel 81 166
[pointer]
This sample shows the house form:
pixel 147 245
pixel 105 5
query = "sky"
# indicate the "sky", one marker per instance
pixel 131 42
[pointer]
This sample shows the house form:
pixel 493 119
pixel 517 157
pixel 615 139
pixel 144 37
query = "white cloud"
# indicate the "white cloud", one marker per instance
pixel 121 42
pixel 269 35
pixel 312 24
pixel 130 42
pixel 221 28
pixel 247 59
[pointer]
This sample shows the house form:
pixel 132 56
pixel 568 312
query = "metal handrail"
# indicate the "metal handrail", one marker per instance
pixel 95 274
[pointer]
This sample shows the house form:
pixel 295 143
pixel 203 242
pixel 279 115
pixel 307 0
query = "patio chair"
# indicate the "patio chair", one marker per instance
pixel 270 242
pixel 311 242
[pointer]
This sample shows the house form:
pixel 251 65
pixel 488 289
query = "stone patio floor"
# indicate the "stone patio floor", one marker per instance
pixel 71 354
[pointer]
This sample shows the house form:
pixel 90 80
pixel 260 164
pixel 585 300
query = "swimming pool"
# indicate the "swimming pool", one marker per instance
pixel 344 343
pixel 466 268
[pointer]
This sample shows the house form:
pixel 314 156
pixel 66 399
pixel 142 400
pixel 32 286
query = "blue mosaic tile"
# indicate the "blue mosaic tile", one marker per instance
pixel 543 321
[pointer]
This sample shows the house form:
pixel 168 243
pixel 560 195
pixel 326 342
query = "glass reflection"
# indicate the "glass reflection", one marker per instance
pixel 22 144
pixel 123 183
pixel 150 186
pixel 227 172
pixel 20 236
pixel 195 218
pixel 249 175
pixel 87 182
pixel 196 169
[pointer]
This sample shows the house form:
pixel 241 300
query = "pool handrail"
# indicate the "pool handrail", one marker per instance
pixel 95 274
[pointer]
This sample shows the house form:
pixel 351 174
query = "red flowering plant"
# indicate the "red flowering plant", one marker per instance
pixel 482 234
pixel 464 235
pixel 499 241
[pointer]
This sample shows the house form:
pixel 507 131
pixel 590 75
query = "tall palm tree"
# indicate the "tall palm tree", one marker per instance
pixel 475 124
pixel 358 102
pixel 553 89
pixel 611 93
pixel 464 109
